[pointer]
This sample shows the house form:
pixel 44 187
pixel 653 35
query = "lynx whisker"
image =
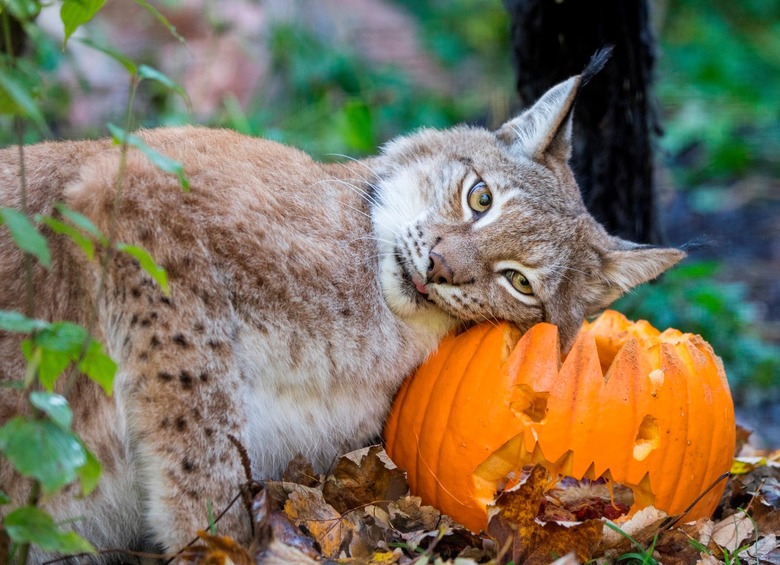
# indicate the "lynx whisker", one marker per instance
pixel 358 161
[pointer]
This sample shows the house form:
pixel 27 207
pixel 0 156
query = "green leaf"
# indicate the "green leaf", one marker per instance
pixel 12 321
pixel 42 450
pixel 147 264
pixel 357 126
pixel 81 222
pixel 4 498
pixel 55 406
pixel 89 473
pixel 53 349
pixel 48 364
pixel 75 13
pixel 18 91
pixel 160 18
pixel 162 162
pixel 62 336
pixel 126 62
pixel 65 229
pixel 29 524
pixel 147 72
pixel 23 9
pixel 99 367
pixel 25 235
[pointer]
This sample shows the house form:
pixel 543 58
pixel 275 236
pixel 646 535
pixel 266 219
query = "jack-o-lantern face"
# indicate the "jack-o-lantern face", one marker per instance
pixel 649 410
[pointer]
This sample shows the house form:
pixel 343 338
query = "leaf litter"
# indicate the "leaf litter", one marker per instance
pixel 362 513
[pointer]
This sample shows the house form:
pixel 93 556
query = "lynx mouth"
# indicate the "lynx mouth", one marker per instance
pixel 413 287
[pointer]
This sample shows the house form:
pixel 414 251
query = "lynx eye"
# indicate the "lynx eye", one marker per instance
pixel 479 197
pixel 519 282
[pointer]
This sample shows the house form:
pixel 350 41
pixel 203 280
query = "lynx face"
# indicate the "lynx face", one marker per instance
pixel 477 225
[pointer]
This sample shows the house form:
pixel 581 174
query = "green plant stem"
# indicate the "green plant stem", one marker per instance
pixel 108 253
pixel 33 497
pixel 28 264
pixel 7 35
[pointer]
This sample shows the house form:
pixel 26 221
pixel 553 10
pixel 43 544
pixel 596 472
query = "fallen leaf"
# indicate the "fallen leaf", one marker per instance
pixel 730 532
pixel 568 559
pixel 642 527
pixel 301 471
pixel 307 509
pixel 216 550
pixel 708 559
pixel 408 513
pixel 761 549
pixel 363 477
pixel 533 542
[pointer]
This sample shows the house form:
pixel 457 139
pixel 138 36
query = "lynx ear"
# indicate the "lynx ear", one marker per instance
pixel 545 129
pixel 631 264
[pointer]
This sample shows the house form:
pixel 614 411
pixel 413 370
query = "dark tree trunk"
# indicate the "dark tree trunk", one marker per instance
pixel 615 122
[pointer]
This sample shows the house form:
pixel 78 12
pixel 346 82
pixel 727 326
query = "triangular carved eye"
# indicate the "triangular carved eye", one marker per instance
pixel 479 197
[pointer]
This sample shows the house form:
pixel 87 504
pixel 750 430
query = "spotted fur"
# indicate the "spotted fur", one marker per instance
pixel 301 295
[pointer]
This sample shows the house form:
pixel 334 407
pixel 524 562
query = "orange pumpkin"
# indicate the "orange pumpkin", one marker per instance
pixel 649 410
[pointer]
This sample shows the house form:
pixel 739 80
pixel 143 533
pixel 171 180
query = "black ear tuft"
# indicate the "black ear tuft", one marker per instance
pixel 596 63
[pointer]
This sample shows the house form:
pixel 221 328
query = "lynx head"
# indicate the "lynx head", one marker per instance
pixel 477 225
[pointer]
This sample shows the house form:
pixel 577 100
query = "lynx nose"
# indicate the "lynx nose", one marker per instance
pixel 439 271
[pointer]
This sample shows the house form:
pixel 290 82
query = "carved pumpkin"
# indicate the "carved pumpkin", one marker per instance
pixel 649 410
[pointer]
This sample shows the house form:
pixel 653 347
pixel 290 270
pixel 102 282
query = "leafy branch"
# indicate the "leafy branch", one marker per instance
pixel 41 443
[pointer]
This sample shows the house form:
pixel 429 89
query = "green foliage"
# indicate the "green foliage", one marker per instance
pixel 19 87
pixel 459 31
pixel 719 81
pixel 41 444
pixel 25 235
pixel 330 101
pixel 641 555
pixel 147 264
pixel 43 450
pixel 162 162
pixel 75 13
pixel 692 298
pixel 28 524
pixel 52 349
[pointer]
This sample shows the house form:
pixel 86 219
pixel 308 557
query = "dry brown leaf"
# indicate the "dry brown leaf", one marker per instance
pixel 274 529
pixel 707 559
pixel 363 477
pixel 408 513
pixel 279 552
pixel 301 471
pixel 761 550
pixel 534 542
pixel 568 559
pixel 642 527
pixel 216 550
pixel 307 509
pixel 730 532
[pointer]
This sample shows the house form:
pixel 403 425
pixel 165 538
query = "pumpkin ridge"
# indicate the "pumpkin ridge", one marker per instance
pixel 447 424
pixel 459 357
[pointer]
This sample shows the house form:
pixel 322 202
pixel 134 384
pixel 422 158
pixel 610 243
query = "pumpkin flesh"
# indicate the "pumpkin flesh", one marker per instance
pixel 649 410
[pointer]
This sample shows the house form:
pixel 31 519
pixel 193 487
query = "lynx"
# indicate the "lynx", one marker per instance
pixel 301 295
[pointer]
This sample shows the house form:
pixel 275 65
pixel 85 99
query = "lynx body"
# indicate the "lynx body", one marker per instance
pixel 301 294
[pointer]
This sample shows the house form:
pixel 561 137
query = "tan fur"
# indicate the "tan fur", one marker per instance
pixel 293 313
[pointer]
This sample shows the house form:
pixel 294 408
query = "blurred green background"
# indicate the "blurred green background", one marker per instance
pixel 309 83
